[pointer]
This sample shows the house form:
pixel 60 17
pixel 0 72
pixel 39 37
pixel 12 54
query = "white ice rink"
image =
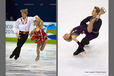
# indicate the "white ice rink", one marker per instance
pixel 26 64
pixel 95 62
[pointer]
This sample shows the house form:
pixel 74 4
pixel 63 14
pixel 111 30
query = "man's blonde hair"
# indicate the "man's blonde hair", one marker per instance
pixel 24 11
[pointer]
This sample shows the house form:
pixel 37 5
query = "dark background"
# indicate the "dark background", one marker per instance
pixel 45 9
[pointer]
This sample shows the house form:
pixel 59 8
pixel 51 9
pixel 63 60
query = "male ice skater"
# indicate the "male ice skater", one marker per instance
pixel 92 30
pixel 21 28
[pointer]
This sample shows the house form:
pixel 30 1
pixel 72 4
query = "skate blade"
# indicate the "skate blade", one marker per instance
pixel 84 53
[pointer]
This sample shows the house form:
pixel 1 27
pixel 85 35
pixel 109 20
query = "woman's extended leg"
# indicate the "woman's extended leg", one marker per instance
pixel 38 52
pixel 74 37
pixel 43 46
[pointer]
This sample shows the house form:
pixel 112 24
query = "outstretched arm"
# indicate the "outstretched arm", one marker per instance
pixel 16 28
pixel 74 38
pixel 84 21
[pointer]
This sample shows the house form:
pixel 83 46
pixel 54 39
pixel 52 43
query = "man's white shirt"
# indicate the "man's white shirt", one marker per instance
pixel 23 25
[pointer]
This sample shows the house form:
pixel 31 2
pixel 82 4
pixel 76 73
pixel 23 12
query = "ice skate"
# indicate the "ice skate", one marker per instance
pixel 37 58
pixel 84 52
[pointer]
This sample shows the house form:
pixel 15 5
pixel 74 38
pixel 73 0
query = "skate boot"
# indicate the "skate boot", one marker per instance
pixel 11 56
pixel 37 58
pixel 79 50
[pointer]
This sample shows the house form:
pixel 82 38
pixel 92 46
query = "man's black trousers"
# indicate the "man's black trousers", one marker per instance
pixel 84 42
pixel 87 39
pixel 20 42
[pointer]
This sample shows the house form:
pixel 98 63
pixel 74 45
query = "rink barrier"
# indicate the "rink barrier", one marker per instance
pixel 49 28
pixel 8 39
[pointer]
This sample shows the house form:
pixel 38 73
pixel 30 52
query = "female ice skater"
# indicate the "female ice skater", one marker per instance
pixel 75 32
pixel 38 36
pixel 91 30
pixel 21 29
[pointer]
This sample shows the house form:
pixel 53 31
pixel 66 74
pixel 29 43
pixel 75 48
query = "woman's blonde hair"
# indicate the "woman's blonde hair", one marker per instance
pixel 24 11
pixel 100 10
pixel 37 22
pixel 67 39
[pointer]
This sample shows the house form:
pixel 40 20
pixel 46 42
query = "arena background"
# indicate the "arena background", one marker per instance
pixel 45 9
pixel 26 65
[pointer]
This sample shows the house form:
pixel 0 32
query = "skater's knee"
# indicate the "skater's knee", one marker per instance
pixel 84 43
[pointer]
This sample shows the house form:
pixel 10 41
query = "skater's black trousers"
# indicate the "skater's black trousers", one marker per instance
pixel 21 41
pixel 85 41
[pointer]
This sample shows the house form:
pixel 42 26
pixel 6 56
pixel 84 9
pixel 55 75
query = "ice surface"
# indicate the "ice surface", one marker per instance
pixel 26 64
pixel 95 62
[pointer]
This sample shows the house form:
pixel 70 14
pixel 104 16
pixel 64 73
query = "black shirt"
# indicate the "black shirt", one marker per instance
pixel 96 25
